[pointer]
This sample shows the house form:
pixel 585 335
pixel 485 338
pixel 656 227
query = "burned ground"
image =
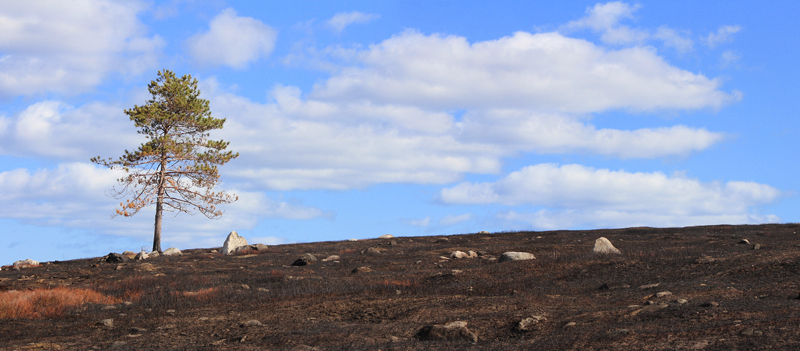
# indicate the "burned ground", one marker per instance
pixel 724 294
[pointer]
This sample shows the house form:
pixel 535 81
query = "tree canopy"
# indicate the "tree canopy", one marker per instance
pixel 176 169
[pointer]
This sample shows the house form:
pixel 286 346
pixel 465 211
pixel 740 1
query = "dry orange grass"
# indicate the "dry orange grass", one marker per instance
pixel 47 303
pixel 200 295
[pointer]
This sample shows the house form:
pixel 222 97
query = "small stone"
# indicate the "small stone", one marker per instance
pixel 744 241
pixel 648 286
pixel 604 247
pixel 108 323
pixel 116 258
pixel 362 270
pixel 751 332
pixel 570 324
pixel 663 293
pixel 452 331
pixel 141 256
pixel 705 260
pixel 170 311
pixel 245 287
pixel 392 243
pixel 109 307
pixel 373 252
pixel 483 232
pixel 251 323
pixel 263 289
pixel 331 258
pixel 527 324
pixel 172 252
pixel 459 254
pixel 386 236
pixel 516 256
pixel 682 301
pixel 354 239
pixel 138 330
pixel 757 247
pixel 710 304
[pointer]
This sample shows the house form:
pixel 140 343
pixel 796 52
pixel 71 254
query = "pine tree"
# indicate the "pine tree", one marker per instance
pixel 176 169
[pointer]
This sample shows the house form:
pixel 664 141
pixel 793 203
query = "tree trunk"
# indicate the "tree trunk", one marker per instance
pixel 159 202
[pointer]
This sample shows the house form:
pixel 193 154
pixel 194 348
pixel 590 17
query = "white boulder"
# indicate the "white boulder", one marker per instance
pixel 232 242
pixel 26 263
pixel 172 252
pixel 386 236
pixel 516 256
pixel 603 246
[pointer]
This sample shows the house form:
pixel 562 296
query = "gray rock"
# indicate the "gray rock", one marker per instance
pixel 141 256
pixel 362 270
pixel 373 252
pixel 648 286
pixel 663 293
pixel 459 254
pixel 172 252
pixel 528 324
pixel 483 232
pixel 116 258
pixel 751 332
pixel 604 247
pixel 232 242
pixel 452 331
pixel 757 247
pixel 386 236
pixel 331 258
pixel 25 263
pixel 107 323
pixel 744 241
pixel 516 256
pixel 251 323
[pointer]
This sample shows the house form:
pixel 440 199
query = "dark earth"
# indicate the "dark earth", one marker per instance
pixel 725 295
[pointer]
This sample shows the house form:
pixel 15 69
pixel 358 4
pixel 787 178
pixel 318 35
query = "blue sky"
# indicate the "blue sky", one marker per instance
pixel 355 119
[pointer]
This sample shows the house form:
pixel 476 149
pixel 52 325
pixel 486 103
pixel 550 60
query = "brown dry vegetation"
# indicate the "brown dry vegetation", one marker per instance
pixel 199 300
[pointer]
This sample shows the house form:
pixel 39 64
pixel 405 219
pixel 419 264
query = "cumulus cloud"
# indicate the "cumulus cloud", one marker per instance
pixel 233 41
pixel 575 191
pixel 673 39
pixel 70 47
pixel 53 129
pixel 73 195
pixel 723 35
pixel 528 131
pixel 544 71
pixel 343 19
pixel 424 222
pixel 605 18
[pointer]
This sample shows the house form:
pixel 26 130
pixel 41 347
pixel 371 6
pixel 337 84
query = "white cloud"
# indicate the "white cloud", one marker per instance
pixel 233 41
pixel 723 35
pixel 69 47
pixel 343 19
pixel 545 72
pixel 418 222
pixel 73 195
pixel 455 219
pixel 673 39
pixel 55 130
pixel 729 58
pixel 577 192
pixel 531 132
pixel 605 18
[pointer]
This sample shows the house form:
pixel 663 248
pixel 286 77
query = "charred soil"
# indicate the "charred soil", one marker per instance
pixel 723 295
